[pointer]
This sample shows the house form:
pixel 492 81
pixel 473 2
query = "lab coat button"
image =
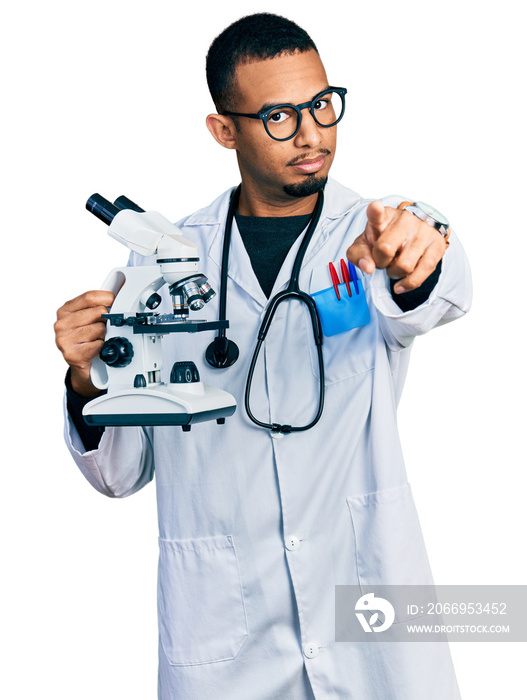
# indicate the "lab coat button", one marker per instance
pixel 277 436
pixel 292 543
pixel 310 650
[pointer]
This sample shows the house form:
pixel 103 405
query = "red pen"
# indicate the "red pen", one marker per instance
pixel 334 279
pixel 345 275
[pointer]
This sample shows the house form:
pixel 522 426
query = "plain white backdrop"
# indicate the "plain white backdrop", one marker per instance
pixel 111 97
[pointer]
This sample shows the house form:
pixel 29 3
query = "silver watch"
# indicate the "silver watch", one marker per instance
pixel 433 217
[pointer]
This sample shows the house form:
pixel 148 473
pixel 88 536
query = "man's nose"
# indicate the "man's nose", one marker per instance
pixel 309 133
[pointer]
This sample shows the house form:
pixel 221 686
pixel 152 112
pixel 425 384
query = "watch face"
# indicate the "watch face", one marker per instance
pixel 433 213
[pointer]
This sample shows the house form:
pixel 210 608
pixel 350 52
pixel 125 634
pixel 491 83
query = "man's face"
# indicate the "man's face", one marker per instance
pixel 281 170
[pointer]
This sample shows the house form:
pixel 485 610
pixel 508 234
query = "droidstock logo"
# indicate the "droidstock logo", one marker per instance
pixel 374 605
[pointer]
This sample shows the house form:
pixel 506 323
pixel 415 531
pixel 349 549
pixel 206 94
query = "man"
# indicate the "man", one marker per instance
pixel 258 526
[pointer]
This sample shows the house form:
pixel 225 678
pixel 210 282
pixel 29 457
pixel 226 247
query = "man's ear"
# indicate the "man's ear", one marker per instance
pixel 223 130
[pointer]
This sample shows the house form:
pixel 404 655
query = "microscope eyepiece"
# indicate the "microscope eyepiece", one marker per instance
pixel 102 208
pixel 124 202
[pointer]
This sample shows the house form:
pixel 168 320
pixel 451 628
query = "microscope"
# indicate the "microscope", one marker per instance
pixel 129 364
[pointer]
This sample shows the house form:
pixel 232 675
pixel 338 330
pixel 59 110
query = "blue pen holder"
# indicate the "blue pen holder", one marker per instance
pixel 338 316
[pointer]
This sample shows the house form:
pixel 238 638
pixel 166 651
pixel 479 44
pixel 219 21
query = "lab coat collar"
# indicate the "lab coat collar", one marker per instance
pixel 240 269
pixel 338 201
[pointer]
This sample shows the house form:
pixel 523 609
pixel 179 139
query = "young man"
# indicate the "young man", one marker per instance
pixel 257 526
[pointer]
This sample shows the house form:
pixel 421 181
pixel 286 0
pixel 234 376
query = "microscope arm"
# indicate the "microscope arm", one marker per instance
pixel 133 287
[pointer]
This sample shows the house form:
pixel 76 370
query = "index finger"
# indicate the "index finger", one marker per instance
pixel 378 215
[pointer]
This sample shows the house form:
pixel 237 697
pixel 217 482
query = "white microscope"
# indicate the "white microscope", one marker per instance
pixel 129 364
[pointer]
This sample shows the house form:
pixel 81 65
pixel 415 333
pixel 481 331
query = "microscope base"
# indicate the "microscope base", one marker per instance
pixel 159 406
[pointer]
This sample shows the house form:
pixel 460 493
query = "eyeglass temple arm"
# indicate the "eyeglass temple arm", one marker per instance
pixel 241 114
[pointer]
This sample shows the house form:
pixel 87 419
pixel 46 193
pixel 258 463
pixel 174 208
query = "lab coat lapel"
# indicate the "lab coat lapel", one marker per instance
pixel 319 237
pixel 240 270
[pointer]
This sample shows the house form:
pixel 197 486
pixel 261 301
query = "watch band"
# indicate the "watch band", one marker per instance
pixel 414 208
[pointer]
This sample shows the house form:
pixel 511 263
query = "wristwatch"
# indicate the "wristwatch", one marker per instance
pixel 427 213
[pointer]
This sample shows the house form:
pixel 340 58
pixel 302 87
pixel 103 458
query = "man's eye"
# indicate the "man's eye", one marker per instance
pixel 277 117
pixel 321 104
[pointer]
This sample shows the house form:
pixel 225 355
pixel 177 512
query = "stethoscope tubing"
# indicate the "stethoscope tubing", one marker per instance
pixel 317 334
pixel 292 291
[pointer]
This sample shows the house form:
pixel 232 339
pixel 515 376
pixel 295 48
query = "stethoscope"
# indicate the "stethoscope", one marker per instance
pixel 223 352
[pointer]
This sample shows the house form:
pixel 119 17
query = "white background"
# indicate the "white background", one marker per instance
pixel 111 97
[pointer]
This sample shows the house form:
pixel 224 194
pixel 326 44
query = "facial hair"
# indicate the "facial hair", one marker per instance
pixel 311 185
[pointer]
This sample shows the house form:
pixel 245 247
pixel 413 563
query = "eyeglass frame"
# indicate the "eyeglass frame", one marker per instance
pixel 264 115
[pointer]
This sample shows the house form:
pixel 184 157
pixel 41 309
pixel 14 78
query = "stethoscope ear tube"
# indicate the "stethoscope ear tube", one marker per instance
pixel 315 319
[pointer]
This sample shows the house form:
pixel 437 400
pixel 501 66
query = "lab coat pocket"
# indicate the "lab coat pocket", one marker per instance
pixel 200 601
pixel 348 352
pixel 390 549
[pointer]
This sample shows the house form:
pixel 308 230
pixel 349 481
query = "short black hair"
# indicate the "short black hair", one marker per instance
pixel 254 37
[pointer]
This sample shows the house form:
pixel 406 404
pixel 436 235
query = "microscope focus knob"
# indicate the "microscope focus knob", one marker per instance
pixel 184 373
pixel 117 352
pixel 151 300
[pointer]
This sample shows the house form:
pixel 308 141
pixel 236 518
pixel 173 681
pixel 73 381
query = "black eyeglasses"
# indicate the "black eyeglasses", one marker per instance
pixel 282 121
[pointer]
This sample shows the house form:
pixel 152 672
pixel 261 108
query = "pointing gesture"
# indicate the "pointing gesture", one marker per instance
pixel 399 242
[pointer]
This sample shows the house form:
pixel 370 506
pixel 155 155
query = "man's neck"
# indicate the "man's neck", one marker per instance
pixel 257 204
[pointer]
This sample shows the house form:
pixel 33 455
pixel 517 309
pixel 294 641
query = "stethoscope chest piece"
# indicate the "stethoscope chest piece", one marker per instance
pixel 222 352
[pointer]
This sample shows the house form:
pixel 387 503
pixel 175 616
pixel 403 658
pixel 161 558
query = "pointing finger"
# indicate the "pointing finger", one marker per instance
pixel 377 215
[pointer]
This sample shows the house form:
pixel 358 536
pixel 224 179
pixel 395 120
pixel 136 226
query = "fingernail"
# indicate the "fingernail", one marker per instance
pixel 399 289
pixel 365 265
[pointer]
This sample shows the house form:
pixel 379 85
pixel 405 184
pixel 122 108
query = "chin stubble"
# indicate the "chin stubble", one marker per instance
pixel 311 185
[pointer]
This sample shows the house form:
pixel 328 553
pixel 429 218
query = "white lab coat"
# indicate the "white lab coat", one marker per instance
pixel 256 529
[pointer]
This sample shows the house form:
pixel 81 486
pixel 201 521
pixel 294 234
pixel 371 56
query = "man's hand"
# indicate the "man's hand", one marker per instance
pixel 400 243
pixel 79 334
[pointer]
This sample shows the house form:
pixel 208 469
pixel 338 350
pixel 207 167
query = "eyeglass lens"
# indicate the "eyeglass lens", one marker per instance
pixel 327 110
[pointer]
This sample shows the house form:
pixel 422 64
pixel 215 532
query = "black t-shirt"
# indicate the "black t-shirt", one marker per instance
pixel 268 240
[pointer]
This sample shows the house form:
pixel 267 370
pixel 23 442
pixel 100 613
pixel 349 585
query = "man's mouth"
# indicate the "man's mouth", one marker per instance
pixel 311 164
